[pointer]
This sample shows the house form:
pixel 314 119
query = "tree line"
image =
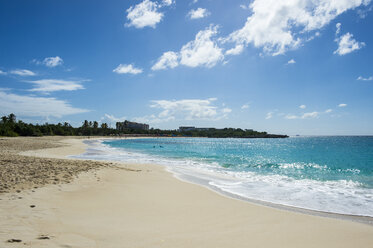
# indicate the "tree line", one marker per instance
pixel 9 126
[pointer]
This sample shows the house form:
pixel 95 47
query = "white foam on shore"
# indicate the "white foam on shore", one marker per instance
pixel 339 196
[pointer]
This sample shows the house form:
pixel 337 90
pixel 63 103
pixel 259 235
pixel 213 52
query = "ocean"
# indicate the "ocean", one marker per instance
pixel 328 174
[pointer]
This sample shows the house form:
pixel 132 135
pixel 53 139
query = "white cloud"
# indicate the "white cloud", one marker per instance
pixel 198 13
pixel 245 106
pixel 291 117
pixel 32 106
pixel 187 109
pixel 53 61
pixel 23 72
pixel 191 109
pixel 292 61
pixel 144 14
pixel 365 79
pixel 152 119
pixel 235 50
pixel 50 85
pixel 364 12
pixel 111 119
pixel 224 113
pixel 49 61
pixel 123 69
pixel 347 44
pixel 269 115
pixel 167 2
pixel 310 115
pixel 328 111
pixel 2 72
pixel 338 26
pixel 167 60
pixel 342 105
pixel 313 36
pixel 277 26
pixel 245 7
pixel 202 51
pixel 226 110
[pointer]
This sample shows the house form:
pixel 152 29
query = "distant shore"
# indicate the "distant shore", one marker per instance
pixel 104 204
pixel 10 127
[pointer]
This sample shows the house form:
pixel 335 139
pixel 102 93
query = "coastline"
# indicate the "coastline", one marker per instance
pixel 348 217
pixel 189 178
pixel 134 205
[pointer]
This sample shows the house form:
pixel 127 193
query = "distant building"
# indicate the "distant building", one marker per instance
pixel 131 125
pixel 186 129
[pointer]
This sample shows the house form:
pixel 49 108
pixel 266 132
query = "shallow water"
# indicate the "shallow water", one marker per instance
pixel 330 174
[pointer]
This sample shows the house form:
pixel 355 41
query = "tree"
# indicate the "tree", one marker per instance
pixel 118 125
pixel 85 124
pixel 4 119
pixel 12 118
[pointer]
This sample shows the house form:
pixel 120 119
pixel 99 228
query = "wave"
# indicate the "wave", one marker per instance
pixel 334 196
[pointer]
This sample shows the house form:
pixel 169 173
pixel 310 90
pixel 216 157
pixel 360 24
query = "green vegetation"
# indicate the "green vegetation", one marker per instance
pixel 9 126
pixel 229 133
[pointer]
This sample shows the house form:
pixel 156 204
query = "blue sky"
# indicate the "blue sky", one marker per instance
pixel 293 67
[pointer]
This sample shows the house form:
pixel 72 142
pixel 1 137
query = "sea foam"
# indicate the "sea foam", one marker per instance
pixel 334 196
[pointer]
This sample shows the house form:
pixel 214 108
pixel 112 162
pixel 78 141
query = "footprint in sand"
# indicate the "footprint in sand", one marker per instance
pixel 14 240
pixel 44 237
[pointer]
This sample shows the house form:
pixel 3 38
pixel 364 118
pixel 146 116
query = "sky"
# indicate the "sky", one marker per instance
pixel 281 66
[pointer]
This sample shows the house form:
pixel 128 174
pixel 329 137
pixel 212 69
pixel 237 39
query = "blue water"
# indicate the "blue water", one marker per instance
pixel 332 174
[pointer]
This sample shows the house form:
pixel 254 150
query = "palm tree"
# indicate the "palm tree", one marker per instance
pixel 12 118
pixel 85 124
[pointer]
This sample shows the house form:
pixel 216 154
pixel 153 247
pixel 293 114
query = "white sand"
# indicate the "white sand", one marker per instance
pixel 150 208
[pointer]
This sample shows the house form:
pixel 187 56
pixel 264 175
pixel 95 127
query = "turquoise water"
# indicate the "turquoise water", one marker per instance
pixel 332 174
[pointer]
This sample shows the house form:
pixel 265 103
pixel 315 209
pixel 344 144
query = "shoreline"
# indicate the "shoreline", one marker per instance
pixel 200 182
pixel 138 205
pixel 368 220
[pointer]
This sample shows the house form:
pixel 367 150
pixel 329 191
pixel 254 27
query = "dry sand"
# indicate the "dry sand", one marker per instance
pixel 145 206
pixel 19 172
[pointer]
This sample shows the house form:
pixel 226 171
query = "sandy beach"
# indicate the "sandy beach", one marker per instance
pixel 47 200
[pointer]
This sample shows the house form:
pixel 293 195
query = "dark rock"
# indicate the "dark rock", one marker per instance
pixel 32 206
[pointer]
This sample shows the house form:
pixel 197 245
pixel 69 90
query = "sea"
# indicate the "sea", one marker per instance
pixel 332 174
